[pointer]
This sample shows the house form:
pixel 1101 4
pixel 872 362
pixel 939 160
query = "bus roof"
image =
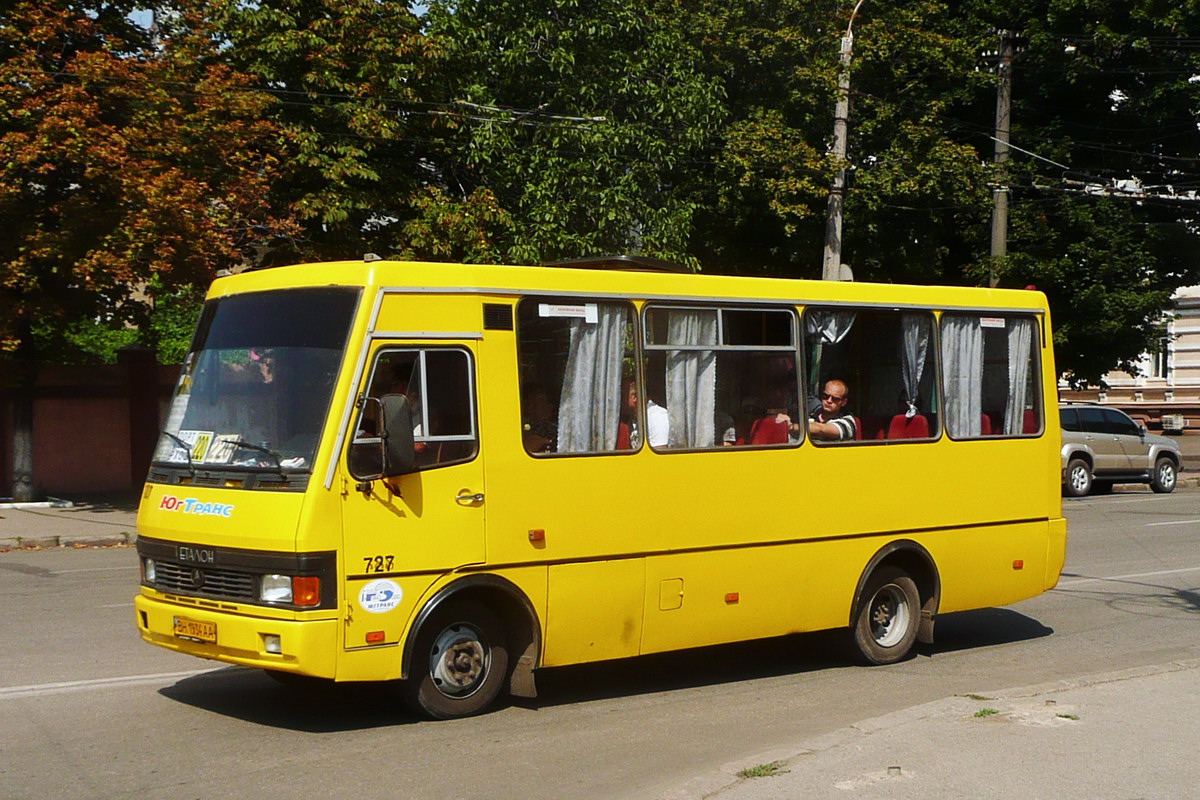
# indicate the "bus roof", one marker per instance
pixel 630 279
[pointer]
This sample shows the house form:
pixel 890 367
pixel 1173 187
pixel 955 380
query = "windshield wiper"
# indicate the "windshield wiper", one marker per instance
pixel 258 447
pixel 187 451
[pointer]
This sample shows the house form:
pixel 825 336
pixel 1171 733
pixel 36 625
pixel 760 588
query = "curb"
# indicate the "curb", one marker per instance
pixel 10 543
pixel 726 776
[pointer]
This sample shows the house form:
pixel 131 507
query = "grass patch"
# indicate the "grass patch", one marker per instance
pixel 975 697
pixel 1067 716
pixel 762 770
pixel 987 712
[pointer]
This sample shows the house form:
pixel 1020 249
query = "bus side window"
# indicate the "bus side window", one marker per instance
pixel 726 375
pixel 575 364
pixel 872 372
pixel 989 375
pixel 438 385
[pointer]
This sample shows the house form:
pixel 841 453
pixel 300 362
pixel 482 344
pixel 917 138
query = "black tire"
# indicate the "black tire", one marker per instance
pixel 1079 478
pixel 888 617
pixel 460 662
pixel 1165 476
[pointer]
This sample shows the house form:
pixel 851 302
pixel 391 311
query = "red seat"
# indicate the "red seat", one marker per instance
pixel 1030 423
pixel 985 425
pixel 872 428
pixel 766 430
pixel 902 427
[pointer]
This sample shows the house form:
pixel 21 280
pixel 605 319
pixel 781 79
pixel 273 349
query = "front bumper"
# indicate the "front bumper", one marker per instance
pixel 307 646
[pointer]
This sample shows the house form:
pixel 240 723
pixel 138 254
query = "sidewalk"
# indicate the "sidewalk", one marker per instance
pixel 1119 735
pixel 98 523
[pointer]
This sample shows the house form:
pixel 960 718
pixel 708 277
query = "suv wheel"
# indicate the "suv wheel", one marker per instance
pixel 1163 479
pixel 1079 478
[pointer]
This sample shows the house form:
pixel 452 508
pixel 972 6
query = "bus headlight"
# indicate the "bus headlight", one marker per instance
pixel 301 590
pixel 275 589
pixel 148 570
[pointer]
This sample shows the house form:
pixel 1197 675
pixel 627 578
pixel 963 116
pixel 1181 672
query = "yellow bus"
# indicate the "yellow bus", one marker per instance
pixel 456 475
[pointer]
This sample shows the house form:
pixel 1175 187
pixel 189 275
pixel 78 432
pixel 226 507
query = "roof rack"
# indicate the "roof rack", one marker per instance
pixel 630 263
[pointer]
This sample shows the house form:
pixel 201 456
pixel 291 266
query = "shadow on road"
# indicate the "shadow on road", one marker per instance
pixel 320 706
pixel 983 627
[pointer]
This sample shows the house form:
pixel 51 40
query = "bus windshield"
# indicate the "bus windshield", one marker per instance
pixel 256 385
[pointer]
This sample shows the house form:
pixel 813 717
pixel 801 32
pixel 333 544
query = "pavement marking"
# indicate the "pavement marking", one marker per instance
pixel 94 569
pixel 118 605
pixel 1176 522
pixel 1127 577
pixel 35 690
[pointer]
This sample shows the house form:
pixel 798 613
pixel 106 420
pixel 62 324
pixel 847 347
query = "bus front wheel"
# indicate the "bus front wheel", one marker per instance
pixel 889 614
pixel 459 664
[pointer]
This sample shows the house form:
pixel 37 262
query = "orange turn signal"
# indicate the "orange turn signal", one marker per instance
pixel 1019 564
pixel 374 637
pixel 306 590
pixel 732 597
pixel 537 535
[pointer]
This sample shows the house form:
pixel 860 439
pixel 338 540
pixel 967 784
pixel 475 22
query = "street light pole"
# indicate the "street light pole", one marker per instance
pixel 832 262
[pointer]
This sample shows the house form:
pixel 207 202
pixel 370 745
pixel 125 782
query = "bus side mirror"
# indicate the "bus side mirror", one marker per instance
pixel 399 451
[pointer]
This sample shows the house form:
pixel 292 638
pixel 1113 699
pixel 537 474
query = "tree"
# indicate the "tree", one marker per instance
pixel 132 163
pixel 1105 104
pixel 348 77
pixel 573 128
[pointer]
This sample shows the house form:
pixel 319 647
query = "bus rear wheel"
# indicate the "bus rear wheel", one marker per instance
pixel 889 614
pixel 459 664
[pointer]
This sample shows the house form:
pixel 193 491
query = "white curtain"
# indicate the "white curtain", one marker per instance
pixel 914 349
pixel 1020 342
pixel 590 404
pixel 962 374
pixel 824 326
pixel 691 378
pixel 830 325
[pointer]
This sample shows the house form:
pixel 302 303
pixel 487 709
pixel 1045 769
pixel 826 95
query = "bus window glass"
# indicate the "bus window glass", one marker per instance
pixel 989 369
pixel 437 383
pixel 576 363
pixel 256 386
pixel 870 375
pixel 727 376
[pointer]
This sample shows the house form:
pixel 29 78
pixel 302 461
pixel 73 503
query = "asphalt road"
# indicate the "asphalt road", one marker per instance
pixel 89 711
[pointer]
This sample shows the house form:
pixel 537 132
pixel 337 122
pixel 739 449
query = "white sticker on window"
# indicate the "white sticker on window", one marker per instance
pixel 991 322
pixel 379 597
pixel 586 311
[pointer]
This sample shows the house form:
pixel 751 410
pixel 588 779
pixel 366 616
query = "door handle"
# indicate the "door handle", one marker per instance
pixel 466 497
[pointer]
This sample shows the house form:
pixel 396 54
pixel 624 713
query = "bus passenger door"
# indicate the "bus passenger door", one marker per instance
pixel 401 533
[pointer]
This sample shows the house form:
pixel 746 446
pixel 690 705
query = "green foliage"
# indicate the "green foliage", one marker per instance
pixel 348 77
pixel 581 119
pixel 502 131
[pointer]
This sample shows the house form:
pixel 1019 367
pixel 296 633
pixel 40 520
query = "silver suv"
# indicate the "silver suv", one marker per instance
pixel 1102 446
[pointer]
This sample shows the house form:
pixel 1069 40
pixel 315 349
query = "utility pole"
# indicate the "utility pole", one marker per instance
pixel 1000 191
pixel 831 265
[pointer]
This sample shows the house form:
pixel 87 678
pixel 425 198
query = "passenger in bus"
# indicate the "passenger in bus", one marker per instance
pixel 658 423
pixel 831 422
pixel 539 425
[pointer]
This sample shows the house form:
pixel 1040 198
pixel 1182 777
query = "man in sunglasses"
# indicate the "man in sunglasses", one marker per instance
pixel 832 422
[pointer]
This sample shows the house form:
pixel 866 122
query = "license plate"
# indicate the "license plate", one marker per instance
pixel 195 630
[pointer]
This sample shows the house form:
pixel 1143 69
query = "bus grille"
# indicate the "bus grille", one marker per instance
pixel 205 581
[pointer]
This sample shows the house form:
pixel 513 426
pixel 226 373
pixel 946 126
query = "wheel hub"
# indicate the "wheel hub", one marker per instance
pixel 458 660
